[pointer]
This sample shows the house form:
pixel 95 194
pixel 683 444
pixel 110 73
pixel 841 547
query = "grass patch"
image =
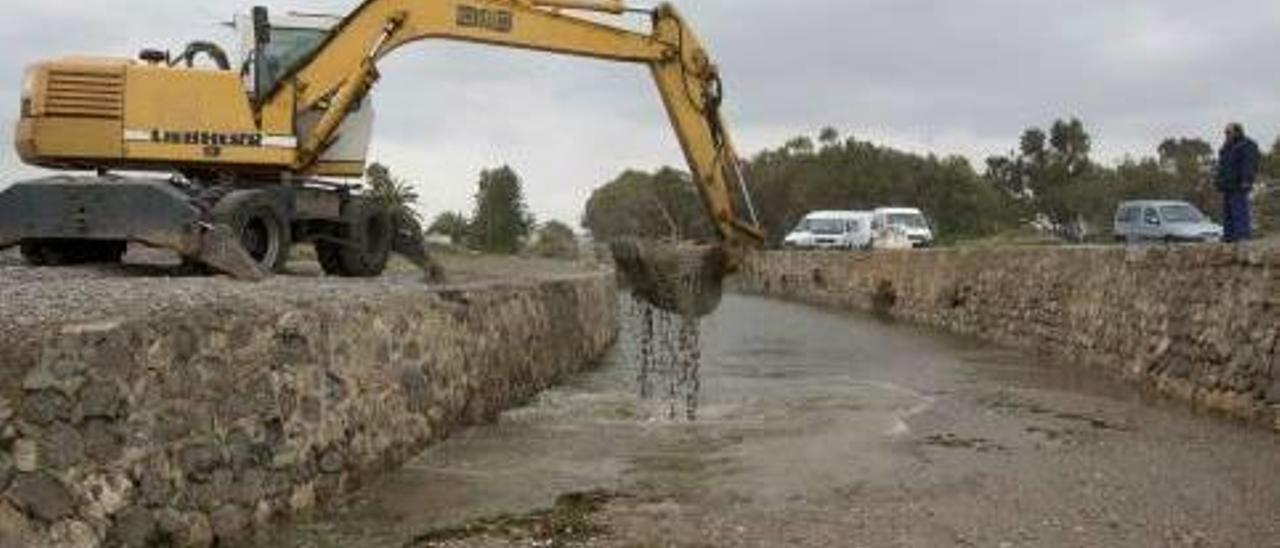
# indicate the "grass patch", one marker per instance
pixel 1011 238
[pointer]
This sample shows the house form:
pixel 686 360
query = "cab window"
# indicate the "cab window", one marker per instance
pixel 288 48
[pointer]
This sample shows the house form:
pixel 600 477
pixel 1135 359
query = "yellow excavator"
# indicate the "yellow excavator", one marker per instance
pixel 256 146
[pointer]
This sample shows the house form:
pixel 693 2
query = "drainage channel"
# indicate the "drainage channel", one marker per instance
pixel 810 428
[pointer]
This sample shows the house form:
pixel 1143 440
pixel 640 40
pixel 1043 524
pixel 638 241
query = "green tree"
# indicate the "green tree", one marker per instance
pixel 501 220
pixel 1270 166
pixel 1266 198
pixel 660 205
pixel 1052 178
pixel 829 137
pixel 556 240
pixel 801 146
pixel 790 181
pixel 1190 159
pixel 1071 145
pixel 396 194
pixel 452 224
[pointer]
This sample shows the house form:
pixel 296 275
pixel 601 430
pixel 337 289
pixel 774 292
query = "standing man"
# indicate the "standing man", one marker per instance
pixel 1237 169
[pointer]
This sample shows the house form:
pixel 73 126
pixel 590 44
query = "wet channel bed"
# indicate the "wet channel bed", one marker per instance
pixel 816 428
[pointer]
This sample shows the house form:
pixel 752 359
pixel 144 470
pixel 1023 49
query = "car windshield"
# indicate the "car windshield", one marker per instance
pixel 826 226
pixel 1181 214
pixel 907 220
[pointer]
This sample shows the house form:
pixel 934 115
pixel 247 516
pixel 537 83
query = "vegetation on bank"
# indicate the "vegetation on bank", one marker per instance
pixel 500 223
pixel 1048 188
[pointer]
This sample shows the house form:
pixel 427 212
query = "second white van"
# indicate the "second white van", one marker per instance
pixel 907 227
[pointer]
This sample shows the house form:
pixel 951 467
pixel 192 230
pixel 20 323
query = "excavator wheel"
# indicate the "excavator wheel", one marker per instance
pixel 366 235
pixel 64 252
pixel 257 219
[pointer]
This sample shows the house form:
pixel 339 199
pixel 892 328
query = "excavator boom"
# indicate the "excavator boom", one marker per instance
pixel 341 72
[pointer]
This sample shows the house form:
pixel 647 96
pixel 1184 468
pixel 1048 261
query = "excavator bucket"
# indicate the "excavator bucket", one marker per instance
pixel 408 243
pixel 684 279
pixel 220 248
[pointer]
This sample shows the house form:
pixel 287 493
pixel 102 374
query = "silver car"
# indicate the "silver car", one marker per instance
pixel 1164 220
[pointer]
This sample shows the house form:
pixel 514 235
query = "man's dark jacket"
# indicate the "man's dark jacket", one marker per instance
pixel 1238 165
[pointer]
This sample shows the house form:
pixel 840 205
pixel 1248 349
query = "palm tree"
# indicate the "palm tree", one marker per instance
pixel 397 194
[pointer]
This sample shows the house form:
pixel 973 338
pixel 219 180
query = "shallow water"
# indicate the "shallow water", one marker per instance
pixel 812 425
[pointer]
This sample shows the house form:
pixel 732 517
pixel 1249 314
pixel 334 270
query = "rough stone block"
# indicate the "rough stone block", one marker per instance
pixel 185 529
pixel 135 527
pixel 229 522
pixel 208 418
pixel 73 534
pixel 1201 331
pixel 15 530
pixel 41 496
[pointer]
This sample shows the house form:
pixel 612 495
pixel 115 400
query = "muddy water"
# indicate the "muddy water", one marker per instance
pixel 806 427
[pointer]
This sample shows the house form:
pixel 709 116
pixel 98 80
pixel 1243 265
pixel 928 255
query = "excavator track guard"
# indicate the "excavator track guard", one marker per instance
pixel 69 220
pixel 90 215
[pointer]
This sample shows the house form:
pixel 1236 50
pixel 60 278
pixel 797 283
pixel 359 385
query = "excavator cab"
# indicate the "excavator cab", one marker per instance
pixel 272 46
pixel 282 42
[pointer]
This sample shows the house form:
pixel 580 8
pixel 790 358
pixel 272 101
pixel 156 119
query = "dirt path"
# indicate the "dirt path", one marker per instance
pixel 150 282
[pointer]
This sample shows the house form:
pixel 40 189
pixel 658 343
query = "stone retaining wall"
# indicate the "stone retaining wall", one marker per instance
pixel 1199 323
pixel 191 425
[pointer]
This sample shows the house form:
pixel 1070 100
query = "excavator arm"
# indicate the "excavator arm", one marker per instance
pixel 341 72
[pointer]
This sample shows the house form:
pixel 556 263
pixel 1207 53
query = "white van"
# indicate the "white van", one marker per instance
pixel 832 230
pixel 900 227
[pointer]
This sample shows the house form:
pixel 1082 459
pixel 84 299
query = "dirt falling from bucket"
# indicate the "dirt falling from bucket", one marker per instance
pixel 667 348
pixel 682 279
pixel 672 287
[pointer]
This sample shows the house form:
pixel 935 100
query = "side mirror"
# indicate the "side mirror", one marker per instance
pixel 261 26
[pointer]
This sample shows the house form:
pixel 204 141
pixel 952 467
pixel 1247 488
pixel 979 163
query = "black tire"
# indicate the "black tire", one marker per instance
pixel 34 253
pixel 103 252
pixel 261 224
pixel 73 252
pixel 366 231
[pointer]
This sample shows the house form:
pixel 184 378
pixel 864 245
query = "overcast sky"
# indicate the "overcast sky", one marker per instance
pixel 944 76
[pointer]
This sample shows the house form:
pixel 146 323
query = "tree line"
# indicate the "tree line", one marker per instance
pixel 500 222
pixel 1060 188
pixel 1049 182
pixel 802 176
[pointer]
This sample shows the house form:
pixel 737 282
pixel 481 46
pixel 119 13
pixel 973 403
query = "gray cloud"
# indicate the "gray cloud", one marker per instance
pixel 930 75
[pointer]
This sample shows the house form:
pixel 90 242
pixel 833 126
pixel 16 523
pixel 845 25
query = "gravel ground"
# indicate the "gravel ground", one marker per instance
pixel 151 282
